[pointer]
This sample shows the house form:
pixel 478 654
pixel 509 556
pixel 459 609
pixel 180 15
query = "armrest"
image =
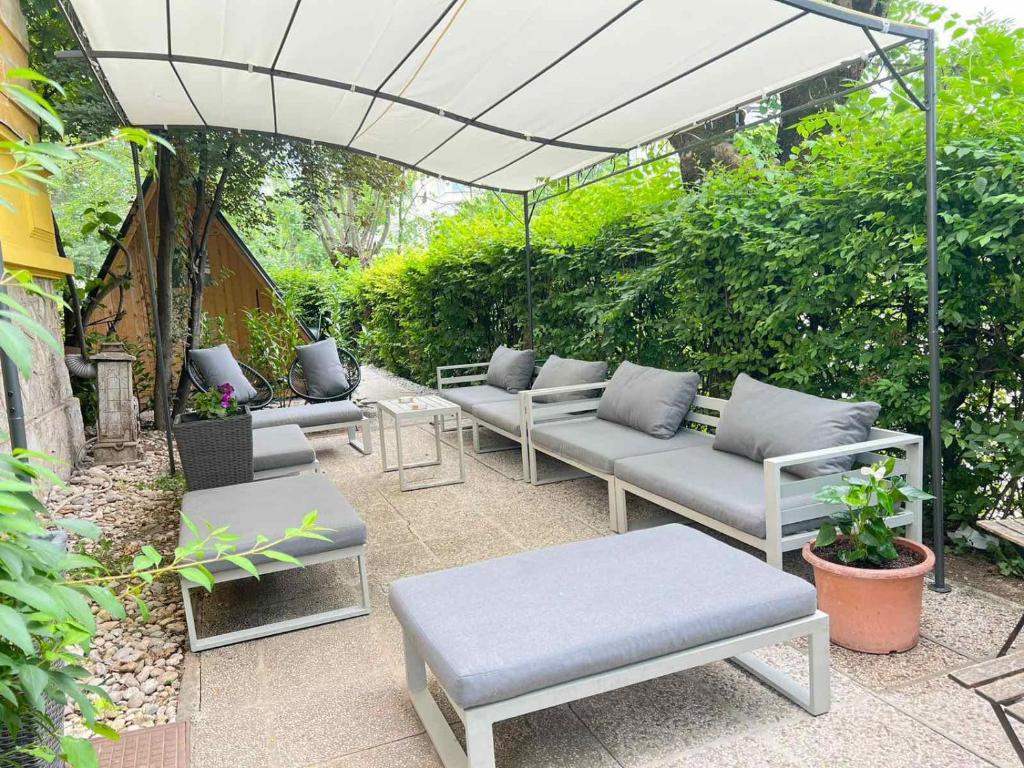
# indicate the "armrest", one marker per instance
pixel 530 394
pixel 891 440
pixel 442 369
pixel 566 407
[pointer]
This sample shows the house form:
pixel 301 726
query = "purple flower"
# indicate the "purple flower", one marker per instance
pixel 227 393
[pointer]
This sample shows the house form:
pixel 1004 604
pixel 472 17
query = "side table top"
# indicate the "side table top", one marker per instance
pixel 418 405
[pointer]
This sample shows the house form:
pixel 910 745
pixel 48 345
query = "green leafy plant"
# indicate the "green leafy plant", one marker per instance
pixel 869 498
pixel 216 403
pixel 273 337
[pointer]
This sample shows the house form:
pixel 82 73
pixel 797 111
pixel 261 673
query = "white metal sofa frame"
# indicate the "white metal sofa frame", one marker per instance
pixel 479 721
pixel 776 487
pixel 541 411
pixel 363 443
pixel 277 627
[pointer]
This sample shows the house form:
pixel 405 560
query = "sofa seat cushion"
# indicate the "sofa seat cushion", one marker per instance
pixel 280 447
pixel 761 421
pixel 505 414
pixel 308 416
pixel 468 398
pixel 598 443
pixel 269 507
pixel 501 628
pixel 723 486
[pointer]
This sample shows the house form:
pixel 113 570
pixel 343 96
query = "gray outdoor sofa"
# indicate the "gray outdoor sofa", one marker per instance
pixel 490 393
pixel 756 482
pixel 267 508
pixel 539 629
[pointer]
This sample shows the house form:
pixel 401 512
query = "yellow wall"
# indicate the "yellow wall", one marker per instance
pixel 26 232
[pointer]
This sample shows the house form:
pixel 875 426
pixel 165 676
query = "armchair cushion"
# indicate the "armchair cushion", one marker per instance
pixel 218 366
pixel 564 372
pixel 761 421
pixel 648 399
pixel 322 369
pixel 510 369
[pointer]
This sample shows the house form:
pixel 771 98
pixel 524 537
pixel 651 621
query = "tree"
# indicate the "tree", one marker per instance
pixel 348 199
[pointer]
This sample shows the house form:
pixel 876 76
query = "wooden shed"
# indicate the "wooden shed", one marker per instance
pixel 235 283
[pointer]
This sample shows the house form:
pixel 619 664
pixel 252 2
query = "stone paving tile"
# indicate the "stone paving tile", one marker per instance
pixel 880 673
pixel 234 737
pixel 972 622
pixel 411 752
pixel 959 714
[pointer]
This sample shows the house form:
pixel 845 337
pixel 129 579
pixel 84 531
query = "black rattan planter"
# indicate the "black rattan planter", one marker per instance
pixel 215 452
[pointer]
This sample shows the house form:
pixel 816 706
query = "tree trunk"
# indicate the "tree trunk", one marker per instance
pixel 827 84
pixel 694 163
pixel 167 243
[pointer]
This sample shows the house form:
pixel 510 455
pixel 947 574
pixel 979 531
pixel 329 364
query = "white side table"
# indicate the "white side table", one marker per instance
pixel 420 409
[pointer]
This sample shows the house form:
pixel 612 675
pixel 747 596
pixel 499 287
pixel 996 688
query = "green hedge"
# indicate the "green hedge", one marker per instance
pixel 810 275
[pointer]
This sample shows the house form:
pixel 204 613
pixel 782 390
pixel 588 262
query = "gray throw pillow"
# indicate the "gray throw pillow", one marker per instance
pixel 218 366
pixel 322 369
pixel 564 372
pixel 650 400
pixel 761 421
pixel 510 369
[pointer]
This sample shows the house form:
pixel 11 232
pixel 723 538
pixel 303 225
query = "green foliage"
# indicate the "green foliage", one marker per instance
pixel 317 297
pixel 284 239
pixel 273 337
pixel 216 403
pixel 809 274
pixel 869 498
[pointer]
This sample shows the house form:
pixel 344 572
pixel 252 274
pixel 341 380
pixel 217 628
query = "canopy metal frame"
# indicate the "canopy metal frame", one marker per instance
pixel 591 174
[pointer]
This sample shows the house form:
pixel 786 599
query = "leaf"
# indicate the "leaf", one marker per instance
pixel 84 528
pixel 283 557
pixel 79 753
pixel 106 600
pixel 826 535
pixel 198 575
pixel 154 556
pixel 143 607
pixel 14 629
pixel 244 563
pixel 34 596
pixel 34 681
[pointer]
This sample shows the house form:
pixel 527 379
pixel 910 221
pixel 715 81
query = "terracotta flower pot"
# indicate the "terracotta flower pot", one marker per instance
pixel 872 611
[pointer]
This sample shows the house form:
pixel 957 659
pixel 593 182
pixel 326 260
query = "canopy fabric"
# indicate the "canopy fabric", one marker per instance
pixel 493 93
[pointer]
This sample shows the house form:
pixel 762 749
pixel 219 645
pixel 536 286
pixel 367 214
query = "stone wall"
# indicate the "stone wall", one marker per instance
pixel 53 419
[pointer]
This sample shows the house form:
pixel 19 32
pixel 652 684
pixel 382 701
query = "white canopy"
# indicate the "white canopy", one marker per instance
pixel 489 92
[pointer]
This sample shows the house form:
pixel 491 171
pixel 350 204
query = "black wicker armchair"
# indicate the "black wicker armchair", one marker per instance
pixel 264 392
pixel 297 381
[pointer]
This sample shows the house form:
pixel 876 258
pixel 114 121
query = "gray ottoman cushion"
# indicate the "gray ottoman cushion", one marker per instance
pixel 598 443
pixel 563 372
pixel 510 369
pixel 309 415
pixel 218 366
pixel 468 398
pixel 504 415
pixel 761 421
pixel 648 399
pixel 723 486
pixel 280 447
pixel 269 507
pixel 501 628
pixel 322 369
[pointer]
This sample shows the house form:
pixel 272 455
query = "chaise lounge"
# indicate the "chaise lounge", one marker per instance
pixel 503 642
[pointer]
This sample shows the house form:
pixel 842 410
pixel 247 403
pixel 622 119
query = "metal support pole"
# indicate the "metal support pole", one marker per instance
pixel 12 390
pixel 161 377
pixel 934 353
pixel 527 215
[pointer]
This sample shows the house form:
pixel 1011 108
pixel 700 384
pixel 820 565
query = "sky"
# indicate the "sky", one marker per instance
pixel 1004 9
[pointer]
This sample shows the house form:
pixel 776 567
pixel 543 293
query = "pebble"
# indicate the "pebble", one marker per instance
pixel 138 663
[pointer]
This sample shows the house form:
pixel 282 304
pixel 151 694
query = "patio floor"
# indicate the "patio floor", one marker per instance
pixel 333 696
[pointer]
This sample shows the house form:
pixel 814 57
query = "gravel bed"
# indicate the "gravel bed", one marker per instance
pixel 138 662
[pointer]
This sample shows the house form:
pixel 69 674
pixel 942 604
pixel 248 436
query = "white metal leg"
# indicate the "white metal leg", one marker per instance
pixel 401 466
pixel 620 521
pixel 815 698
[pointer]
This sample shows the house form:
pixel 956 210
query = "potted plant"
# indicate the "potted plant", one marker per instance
pixel 215 440
pixel 869 580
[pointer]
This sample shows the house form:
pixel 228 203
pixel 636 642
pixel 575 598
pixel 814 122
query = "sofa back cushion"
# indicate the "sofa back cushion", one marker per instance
pixel 218 366
pixel 761 421
pixel 510 369
pixel 322 369
pixel 650 400
pixel 564 372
